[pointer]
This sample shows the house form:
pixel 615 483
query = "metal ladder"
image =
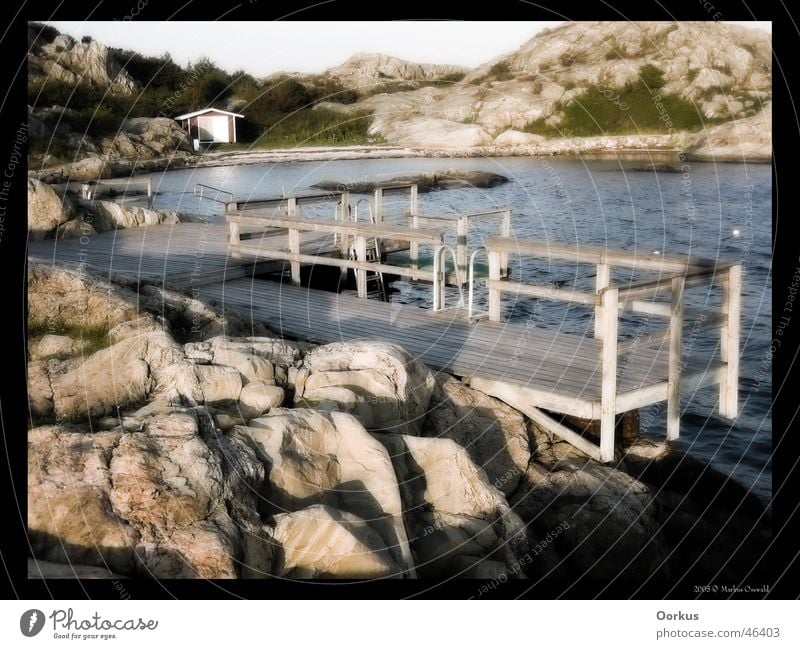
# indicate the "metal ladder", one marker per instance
pixel 375 284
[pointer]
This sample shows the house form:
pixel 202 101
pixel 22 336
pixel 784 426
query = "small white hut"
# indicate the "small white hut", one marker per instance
pixel 210 125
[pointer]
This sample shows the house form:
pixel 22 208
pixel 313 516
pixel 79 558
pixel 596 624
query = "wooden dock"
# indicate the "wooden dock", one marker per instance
pixel 531 368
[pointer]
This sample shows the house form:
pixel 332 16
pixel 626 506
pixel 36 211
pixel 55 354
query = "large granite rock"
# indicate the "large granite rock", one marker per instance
pixel 70 515
pixel 120 376
pixel 456 518
pixel 60 57
pixel 108 215
pixel 46 210
pixel 155 502
pixel 329 459
pixel 321 542
pixel 380 383
pixel 61 296
pixel 493 433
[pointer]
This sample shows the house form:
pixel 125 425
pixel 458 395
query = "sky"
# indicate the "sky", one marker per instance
pixel 262 48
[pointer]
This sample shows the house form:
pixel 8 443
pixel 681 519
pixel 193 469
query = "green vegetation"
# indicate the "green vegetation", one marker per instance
pixel 317 127
pixel 627 109
pixel 278 111
pixel 93 338
pixel 498 72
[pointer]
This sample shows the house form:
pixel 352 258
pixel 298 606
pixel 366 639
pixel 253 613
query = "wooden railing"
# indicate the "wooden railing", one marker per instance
pixel 88 189
pixel 288 203
pixel 358 233
pixel 344 212
pixel 676 275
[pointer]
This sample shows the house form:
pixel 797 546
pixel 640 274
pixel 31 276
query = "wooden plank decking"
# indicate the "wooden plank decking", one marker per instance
pixel 555 366
pixel 175 256
pixel 587 376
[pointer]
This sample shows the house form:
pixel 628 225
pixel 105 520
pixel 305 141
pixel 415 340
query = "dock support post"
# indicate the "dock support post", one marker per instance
pixel 413 200
pixel 413 252
pixel 379 205
pixel 233 238
pixel 609 300
pixel 439 277
pixel 291 206
pixel 361 273
pixel 149 194
pixel 505 231
pixel 344 242
pixel 729 342
pixel 462 234
pixel 294 248
pixel 494 293
pixel 602 281
pixel 675 365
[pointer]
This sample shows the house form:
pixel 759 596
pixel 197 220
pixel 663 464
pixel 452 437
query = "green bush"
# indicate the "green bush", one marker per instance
pixel 320 126
pixel 627 109
pixel 500 72
pixel 651 77
pixel 283 95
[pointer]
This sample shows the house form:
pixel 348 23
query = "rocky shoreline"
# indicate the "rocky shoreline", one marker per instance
pixel 748 141
pixel 169 441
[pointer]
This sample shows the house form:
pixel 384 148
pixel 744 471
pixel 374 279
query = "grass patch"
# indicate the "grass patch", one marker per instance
pixel 318 127
pixel 623 110
pixel 94 338
pixel 498 72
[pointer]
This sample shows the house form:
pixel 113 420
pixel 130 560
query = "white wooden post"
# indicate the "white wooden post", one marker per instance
pixel 439 276
pixel 294 248
pixel 413 206
pixel 609 300
pixel 291 206
pixel 494 293
pixel 361 273
pixel 462 235
pixel 378 205
pixel 602 280
pixel 505 231
pixel 233 238
pixel 729 342
pixel 344 239
pixel 149 194
pixel 675 348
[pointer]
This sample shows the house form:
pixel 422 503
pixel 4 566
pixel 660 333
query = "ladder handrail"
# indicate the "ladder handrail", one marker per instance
pixel 216 189
pixel 470 304
pixel 439 275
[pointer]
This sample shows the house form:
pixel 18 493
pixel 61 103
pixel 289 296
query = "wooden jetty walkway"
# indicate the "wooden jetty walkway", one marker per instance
pixel 534 369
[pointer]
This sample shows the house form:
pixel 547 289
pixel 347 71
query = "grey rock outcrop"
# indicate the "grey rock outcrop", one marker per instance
pixel 108 215
pixel 62 58
pixel 380 383
pixel 46 210
pixel 365 69
pixel 456 519
pixel 493 433
pixel 329 459
pixel 321 542
pixel 151 502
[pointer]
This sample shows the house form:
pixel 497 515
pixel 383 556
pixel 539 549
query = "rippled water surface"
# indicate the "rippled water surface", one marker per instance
pixel 713 211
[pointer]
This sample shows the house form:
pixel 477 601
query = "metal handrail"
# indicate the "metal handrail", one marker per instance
pixel 439 276
pixel 216 189
pixel 470 304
